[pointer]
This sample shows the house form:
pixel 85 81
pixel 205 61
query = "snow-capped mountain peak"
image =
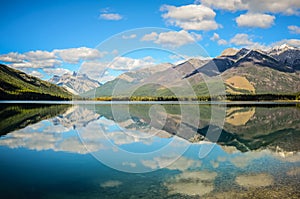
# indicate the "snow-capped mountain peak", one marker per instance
pixel 281 48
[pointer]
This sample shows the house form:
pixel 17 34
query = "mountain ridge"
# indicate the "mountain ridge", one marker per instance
pixel 17 85
pixel 260 71
pixel 75 83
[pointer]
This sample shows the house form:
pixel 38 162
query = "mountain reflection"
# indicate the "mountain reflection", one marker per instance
pixel 18 116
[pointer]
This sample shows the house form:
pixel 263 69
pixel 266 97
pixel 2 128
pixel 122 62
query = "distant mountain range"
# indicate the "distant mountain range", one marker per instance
pixel 244 71
pixel 17 85
pixel 75 83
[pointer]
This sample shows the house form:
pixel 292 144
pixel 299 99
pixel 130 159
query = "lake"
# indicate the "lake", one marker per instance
pixel 149 150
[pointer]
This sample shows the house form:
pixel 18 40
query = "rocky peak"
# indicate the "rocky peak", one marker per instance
pixel 75 83
pixel 229 52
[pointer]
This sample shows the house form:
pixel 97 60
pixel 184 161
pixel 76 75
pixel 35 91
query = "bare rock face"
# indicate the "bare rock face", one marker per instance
pixel 229 52
pixel 75 83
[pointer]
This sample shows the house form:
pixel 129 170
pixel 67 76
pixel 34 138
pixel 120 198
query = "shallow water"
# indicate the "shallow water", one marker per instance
pixel 149 151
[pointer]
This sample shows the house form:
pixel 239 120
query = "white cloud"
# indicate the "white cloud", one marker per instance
pixel 111 16
pixel 46 59
pixel 290 42
pixel 99 70
pixel 36 74
pixel 12 57
pixel 289 7
pixel 294 29
pixel 132 36
pixel 216 37
pixel 222 42
pixel 172 39
pixel 127 63
pixel 32 59
pixel 190 17
pixel 48 63
pixel 39 55
pixel 241 39
pixel 74 55
pixel 56 71
pixel 244 40
pixel 94 69
pixel 150 37
pixel 231 5
pixel 255 20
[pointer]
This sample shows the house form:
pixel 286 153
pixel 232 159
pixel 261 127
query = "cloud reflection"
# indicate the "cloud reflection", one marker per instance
pixel 191 183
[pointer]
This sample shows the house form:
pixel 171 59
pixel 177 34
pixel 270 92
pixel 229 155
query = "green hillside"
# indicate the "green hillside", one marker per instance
pixel 17 85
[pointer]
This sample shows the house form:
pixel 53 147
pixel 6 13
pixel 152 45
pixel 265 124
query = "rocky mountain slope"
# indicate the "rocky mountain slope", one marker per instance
pixel 75 83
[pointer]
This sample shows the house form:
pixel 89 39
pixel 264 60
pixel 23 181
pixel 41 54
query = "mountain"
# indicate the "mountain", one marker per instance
pixel 17 85
pixel 244 71
pixel 126 82
pixel 287 55
pixel 75 83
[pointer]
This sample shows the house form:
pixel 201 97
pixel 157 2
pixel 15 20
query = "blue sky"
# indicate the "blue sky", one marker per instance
pixel 39 36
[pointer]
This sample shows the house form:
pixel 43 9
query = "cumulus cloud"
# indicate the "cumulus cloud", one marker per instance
pixel 294 29
pixel 36 74
pixel 231 5
pixel 32 59
pixel 74 55
pixel 190 17
pixel 12 57
pixel 216 37
pixel 172 39
pixel 50 60
pixel 290 42
pixel 56 71
pixel 242 39
pixel 290 7
pixel 39 55
pixel 222 42
pixel 258 12
pixel 94 69
pixel 127 63
pixel 150 37
pixel 99 70
pixel 111 16
pixel 255 20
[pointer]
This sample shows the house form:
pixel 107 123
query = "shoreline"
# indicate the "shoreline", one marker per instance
pixel 226 102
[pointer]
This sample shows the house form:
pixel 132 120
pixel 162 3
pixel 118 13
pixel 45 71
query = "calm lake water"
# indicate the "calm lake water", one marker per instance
pixel 149 151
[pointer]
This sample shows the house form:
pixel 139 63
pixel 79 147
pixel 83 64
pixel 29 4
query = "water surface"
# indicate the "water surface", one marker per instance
pixel 149 151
